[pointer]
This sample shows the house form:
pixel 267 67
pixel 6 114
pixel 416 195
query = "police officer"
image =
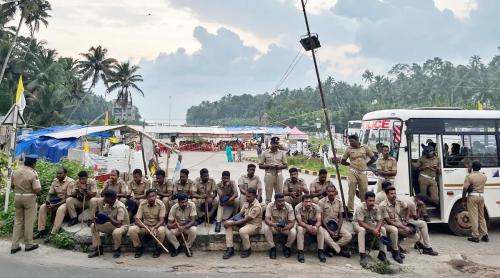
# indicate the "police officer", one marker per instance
pixel 26 187
pixel 386 168
pixel 228 197
pixel 357 179
pixel 319 185
pixel 308 217
pixel 138 186
pixel 114 183
pixel 250 180
pixel 428 165
pixel 83 191
pixel 112 219
pixel 164 188
pixel 294 187
pixel 474 185
pixel 181 219
pixel 280 219
pixel 205 196
pixel 273 161
pixel 380 196
pixel 248 222
pixel 58 192
pixel 333 210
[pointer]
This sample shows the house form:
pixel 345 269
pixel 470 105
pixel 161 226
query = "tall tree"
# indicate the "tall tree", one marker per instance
pixel 124 79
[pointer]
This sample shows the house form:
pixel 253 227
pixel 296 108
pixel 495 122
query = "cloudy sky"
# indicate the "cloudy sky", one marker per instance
pixel 195 50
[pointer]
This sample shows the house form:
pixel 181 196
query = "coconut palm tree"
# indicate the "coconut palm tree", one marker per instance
pixel 124 80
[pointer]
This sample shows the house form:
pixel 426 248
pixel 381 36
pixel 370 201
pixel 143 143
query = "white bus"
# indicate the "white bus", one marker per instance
pixel 461 136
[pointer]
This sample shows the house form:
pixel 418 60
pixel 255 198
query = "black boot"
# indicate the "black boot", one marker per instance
pixel 397 256
pixel 473 239
pixel 346 253
pixel 217 227
pixel 300 256
pixel 321 255
pixel 246 253
pixel 229 253
pixel 382 257
pixel 31 248
pixel 430 251
pixel 117 253
pixel 287 252
pixel 97 252
pixel 272 253
pixel 485 238
pixel 329 252
pixel 41 234
pixel 176 252
pixel 363 260
pixel 157 252
pixel 73 221
pixel 15 250
pixel 138 252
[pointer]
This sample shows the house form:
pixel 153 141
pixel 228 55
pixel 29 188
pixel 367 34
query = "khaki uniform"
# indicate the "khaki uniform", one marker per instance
pixel 475 203
pixel 291 187
pixel 72 203
pixel 385 165
pixel 330 211
pixel 207 188
pixel 395 213
pixel 380 197
pixel 317 187
pixel 287 215
pixel 252 227
pixel 357 172
pixel 179 187
pixel 370 217
pixel 273 179
pixel 61 190
pixel 120 187
pixel 309 216
pixel 182 216
pixel 227 190
pixel 150 216
pixel 427 178
pixel 25 182
pixel 423 231
pixel 117 211
pixel 138 189
pixel 164 188
pixel 245 182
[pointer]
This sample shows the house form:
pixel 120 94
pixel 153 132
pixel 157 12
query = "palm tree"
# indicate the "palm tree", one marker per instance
pixel 367 76
pixel 123 80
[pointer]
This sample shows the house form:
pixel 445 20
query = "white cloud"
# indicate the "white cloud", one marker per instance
pixel 460 8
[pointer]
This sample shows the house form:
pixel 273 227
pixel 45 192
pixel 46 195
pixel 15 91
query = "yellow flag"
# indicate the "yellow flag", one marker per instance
pixel 106 118
pixel 479 105
pixel 86 147
pixel 20 90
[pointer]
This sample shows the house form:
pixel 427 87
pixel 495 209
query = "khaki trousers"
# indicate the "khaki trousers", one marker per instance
pixel 174 233
pixel 475 206
pixel 134 232
pixel 43 212
pixel 273 182
pixel 235 204
pixel 423 232
pixel 270 231
pixel 73 203
pixel 320 238
pixel 355 181
pixel 428 186
pixel 393 233
pixel 110 229
pixel 245 232
pixel 201 210
pixel 362 235
pixel 60 213
pixel 344 239
pixel 24 220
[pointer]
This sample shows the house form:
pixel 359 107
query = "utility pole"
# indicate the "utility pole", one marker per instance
pixel 323 106
pixel 169 110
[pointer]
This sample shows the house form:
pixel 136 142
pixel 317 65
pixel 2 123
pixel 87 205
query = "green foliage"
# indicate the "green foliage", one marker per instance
pixel 63 240
pixel 313 164
pixel 382 268
pixel 7 219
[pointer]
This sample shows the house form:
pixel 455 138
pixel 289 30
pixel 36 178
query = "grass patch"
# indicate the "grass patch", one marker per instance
pixel 382 268
pixel 63 240
pixel 314 164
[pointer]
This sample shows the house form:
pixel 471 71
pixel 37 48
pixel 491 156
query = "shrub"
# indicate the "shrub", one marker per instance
pixel 63 240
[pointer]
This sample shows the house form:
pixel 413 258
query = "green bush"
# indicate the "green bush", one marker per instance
pixel 7 219
pixel 382 268
pixel 63 240
pixel 313 164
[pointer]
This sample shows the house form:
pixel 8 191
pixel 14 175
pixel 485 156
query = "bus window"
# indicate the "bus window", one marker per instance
pixel 376 138
pixel 453 151
pixel 482 148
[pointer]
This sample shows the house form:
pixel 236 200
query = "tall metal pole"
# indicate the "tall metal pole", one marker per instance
pixel 325 111
pixel 11 156
pixel 169 110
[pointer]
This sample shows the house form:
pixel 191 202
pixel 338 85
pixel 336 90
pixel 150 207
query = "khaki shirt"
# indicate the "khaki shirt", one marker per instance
pixel 227 190
pixel 254 211
pixel 330 209
pixel 138 189
pixel 25 180
pixel 395 211
pixel 119 187
pixel 118 211
pixel 424 163
pixel 368 216
pixel 245 182
pixel 185 188
pixel 385 165
pixel 150 215
pixel 182 216
pixel 91 186
pixel 273 158
pixel 61 189
pixel 380 197
pixel 317 187
pixel 165 187
pixel 307 215
pixel 286 214
pixel 205 188
pixel 357 157
pixel 298 187
pixel 477 180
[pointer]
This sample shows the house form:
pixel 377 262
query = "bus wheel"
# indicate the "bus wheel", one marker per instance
pixel 459 221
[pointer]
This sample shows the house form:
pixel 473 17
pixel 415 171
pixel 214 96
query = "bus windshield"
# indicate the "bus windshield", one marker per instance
pixel 377 133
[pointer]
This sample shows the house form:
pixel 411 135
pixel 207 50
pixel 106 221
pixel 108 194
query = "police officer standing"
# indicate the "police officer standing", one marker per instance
pixel 26 187
pixel 428 165
pixel 386 168
pixel 273 161
pixel 474 185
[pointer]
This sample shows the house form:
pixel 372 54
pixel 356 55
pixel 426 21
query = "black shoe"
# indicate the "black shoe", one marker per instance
pixel 397 256
pixel 426 218
pixel 73 222
pixel 217 227
pixel 272 253
pixel 40 234
pixel 188 252
pixel 321 255
pixel 329 252
pixel 287 252
pixel 473 239
pixel 117 253
pixel 157 252
pixel 419 245
pixel 430 251
pixel 246 253
pixel 300 256
pixel 15 250
pixel 229 253
pixel 176 252
pixel 345 253
pixel 485 238
pixel 97 252
pixel 138 252
pixel 382 257
pixel 363 260
pixel 198 221
pixel 31 248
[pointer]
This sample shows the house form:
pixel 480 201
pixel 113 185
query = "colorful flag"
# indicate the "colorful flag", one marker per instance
pixel 20 100
pixel 479 105
pixel 106 118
